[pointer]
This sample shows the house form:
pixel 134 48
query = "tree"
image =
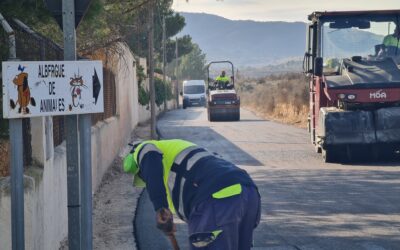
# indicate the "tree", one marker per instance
pixel 185 46
pixel 192 65
pixel 34 14
pixel 106 23
pixel 174 24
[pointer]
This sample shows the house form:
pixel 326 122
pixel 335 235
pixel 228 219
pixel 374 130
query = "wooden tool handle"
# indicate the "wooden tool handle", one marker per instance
pixel 173 241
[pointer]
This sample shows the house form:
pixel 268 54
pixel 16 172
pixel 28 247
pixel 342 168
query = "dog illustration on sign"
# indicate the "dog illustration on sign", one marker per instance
pixel 76 84
pixel 24 93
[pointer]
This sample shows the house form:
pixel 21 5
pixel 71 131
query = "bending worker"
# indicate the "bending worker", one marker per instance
pixel 223 79
pixel 218 200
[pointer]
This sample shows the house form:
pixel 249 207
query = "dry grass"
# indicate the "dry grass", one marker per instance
pixel 282 98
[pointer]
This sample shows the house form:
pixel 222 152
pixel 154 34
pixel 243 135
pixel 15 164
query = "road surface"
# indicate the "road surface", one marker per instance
pixel 306 204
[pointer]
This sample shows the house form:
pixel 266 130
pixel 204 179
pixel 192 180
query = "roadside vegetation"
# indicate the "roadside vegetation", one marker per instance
pixel 279 97
pixel 106 25
pixel 192 65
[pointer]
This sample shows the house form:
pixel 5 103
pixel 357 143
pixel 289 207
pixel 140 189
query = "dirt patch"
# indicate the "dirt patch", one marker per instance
pixel 115 202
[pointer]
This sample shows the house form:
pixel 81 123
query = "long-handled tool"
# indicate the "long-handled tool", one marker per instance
pixel 165 223
pixel 174 242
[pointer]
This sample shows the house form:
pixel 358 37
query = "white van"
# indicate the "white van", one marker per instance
pixel 194 93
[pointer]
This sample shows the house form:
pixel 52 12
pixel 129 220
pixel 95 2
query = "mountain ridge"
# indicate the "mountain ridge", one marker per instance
pixel 249 43
pixel 245 42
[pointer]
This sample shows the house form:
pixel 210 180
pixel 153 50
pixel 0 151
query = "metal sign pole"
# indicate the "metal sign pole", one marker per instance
pixel 16 162
pixel 71 122
pixel 17 184
pixel 85 123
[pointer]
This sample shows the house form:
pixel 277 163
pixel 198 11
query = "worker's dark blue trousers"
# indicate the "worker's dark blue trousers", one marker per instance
pixel 236 216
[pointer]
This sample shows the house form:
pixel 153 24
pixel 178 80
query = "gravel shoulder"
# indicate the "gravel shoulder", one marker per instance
pixel 114 204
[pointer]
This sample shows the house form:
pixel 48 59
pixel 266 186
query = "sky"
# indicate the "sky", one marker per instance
pixel 277 10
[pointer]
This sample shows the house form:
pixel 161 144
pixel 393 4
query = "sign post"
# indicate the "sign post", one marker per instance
pixel 68 88
pixel 17 185
pixel 16 161
pixel 71 130
pixel 68 14
pixel 48 88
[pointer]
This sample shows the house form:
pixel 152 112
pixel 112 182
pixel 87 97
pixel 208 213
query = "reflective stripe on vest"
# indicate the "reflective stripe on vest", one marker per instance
pixel 179 158
pixel 203 239
pixel 147 148
pixel 228 191
pixel 190 163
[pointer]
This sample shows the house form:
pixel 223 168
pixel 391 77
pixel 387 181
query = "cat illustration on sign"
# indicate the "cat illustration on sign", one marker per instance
pixel 24 93
pixel 76 91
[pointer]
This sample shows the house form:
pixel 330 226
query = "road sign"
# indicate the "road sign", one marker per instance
pixel 55 7
pixel 48 88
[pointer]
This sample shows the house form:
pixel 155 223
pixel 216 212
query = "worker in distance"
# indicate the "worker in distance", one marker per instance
pixel 223 81
pixel 391 43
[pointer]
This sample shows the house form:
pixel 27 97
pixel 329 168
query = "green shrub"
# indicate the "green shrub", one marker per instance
pixel 163 91
pixel 158 70
pixel 141 75
pixel 144 96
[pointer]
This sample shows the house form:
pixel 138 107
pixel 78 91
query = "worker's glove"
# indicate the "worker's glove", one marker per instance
pixel 165 221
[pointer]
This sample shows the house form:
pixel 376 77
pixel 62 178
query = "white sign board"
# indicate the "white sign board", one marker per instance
pixel 47 88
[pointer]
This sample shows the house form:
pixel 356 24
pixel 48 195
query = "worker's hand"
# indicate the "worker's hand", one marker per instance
pixel 165 221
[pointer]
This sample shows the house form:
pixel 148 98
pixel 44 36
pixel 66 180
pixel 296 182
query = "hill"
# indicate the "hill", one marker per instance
pixel 258 44
pixel 246 43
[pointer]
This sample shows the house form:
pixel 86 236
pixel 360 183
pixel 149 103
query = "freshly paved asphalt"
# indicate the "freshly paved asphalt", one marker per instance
pixel 306 204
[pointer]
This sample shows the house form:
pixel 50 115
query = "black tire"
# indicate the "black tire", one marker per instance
pixel 335 154
pixel 224 117
pixel 210 116
pixel 328 155
pixel 331 154
pixel 358 153
pixel 233 117
pixel 375 153
pixel 386 152
pixel 237 115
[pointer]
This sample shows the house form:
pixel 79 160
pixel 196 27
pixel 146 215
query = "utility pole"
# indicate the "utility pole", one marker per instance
pixel 151 70
pixel 164 61
pixel 176 75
